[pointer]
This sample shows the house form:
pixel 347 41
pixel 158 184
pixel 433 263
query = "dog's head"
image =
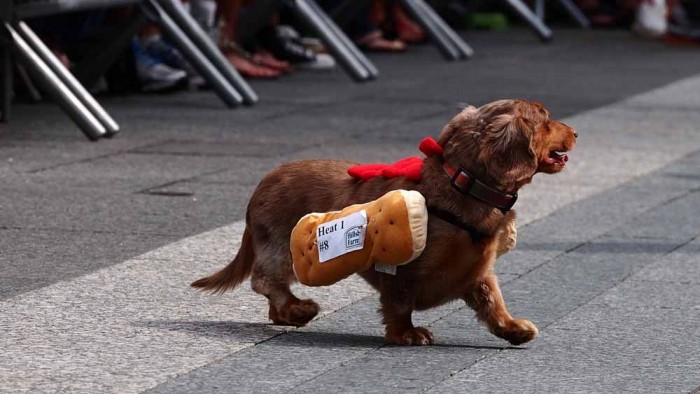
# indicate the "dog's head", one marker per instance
pixel 508 142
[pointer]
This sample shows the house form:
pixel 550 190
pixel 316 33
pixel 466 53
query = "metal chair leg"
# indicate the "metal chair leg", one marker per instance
pixel 213 54
pixel 531 19
pixel 575 13
pixel 51 83
pixel 465 50
pixel 5 82
pixel 67 78
pixel 340 34
pixel 345 56
pixel 540 8
pixel 224 90
pixel 437 35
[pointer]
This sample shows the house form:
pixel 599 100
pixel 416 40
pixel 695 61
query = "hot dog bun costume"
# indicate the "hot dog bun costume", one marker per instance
pixel 328 247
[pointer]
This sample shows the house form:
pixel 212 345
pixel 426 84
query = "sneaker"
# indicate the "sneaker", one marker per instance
pixel 682 26
pixel 155 76
pixel 164 51
pixel 285 43
pixel 160 49
pixel 321 62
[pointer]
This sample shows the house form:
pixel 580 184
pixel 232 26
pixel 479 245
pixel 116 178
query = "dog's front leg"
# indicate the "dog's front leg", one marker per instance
pixel 486 299
pixel 508 236
pixel 396 311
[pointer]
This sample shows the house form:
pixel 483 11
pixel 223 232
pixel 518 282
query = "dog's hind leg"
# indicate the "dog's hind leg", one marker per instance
pixel 399 326
pixel 272 277
pixel 486 299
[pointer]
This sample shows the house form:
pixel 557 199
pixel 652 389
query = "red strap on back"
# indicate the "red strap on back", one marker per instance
pixel 409 168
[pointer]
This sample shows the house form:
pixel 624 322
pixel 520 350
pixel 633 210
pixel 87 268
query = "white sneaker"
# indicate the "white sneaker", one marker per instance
pixel 159 77
pixel 322 62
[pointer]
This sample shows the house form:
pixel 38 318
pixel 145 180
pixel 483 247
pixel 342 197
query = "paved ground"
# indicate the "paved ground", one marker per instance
pixel 100 240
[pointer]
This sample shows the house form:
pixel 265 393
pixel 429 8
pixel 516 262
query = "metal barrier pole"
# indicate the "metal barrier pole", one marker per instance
pixel 540 7
pixel 5 82
pixel 444 44
pixel 531 19
pixel 224 90
pixel 371 68
pixel 344 55
pixel 5 64
pixel 196 34
pixel 575 13
pixel 458 42
pixel 67 78
pixel 87 122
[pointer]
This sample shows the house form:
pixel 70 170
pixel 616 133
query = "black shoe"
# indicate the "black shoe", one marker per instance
pixel 285 46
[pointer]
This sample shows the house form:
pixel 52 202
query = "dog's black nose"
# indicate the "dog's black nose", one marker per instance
pixel 576 134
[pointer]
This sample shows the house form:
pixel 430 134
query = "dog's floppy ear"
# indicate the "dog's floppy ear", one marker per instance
pixel 506 149
pixel 462 121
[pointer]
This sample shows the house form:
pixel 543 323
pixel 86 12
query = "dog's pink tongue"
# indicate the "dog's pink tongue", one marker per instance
pixel 565 158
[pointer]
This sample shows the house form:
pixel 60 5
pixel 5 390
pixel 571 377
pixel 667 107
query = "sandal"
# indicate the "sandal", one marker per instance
pixel 244 64
pixel 376 42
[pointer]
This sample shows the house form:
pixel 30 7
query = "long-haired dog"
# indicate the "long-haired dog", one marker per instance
pixel 498 147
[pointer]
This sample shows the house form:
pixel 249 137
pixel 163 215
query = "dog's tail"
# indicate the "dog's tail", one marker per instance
pixel 234 273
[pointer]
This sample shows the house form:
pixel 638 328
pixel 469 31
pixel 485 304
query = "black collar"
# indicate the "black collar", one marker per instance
pixel 467 184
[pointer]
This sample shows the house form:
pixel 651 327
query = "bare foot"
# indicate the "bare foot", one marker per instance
pixel 376 42
pixel 266 59
pixel 249 69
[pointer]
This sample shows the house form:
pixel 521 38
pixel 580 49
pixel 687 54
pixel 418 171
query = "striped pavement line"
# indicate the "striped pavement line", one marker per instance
pixel 134 325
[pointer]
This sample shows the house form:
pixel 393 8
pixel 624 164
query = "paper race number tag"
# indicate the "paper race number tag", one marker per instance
pixel 342 235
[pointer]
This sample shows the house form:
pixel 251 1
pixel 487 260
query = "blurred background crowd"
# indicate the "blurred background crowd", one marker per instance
pixel 262 40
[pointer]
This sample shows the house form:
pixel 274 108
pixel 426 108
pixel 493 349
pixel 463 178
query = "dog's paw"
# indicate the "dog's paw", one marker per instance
pixel 294 313
pixel 518 331
pixel 413 336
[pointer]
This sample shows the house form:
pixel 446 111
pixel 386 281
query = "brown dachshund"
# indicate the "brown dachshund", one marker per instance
pixel 499 146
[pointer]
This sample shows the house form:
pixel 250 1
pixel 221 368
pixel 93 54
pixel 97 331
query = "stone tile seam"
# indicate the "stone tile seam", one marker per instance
pixel 457 372
pixel 383 99
pixel 78 231
pixel 667 282
pixel 307 108
pixel 194 178
pixel 181 180
pixel 287 152
pixel 408 119
pixel 94 158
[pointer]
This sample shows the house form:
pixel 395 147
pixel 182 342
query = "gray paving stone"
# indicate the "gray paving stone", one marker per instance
pixel 34 258
pixel 672 220
pixel 595 350
pixel 641 295
pixel 680 267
